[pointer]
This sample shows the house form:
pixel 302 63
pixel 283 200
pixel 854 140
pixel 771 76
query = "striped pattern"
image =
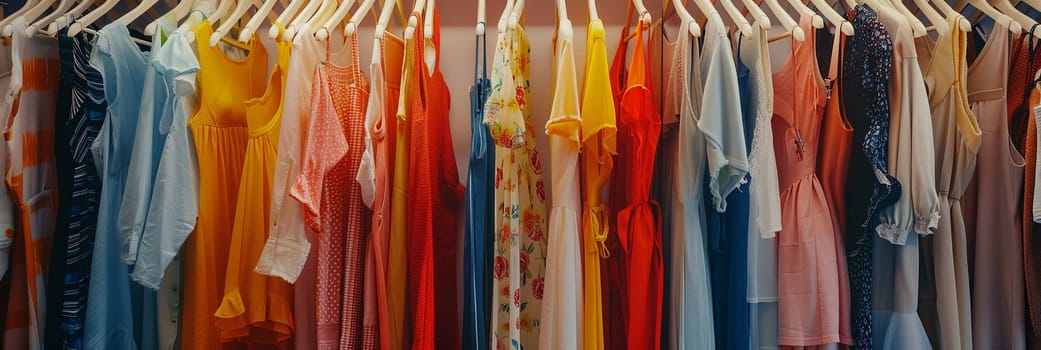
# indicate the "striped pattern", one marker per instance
pixel 82 106
pixel 31 178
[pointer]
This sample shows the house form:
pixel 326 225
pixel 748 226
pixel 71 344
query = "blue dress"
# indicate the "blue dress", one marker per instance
pixel 728 240
pixel 110 324
pixel 81 111
pixel 479 197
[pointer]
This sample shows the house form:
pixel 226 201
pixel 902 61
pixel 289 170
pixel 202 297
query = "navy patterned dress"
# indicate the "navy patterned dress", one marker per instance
pixel 80 113
pixel 866 71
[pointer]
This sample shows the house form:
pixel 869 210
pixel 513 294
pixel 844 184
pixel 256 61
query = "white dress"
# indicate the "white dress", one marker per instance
pixel 764 194
pixel 689 296
pixel 562 298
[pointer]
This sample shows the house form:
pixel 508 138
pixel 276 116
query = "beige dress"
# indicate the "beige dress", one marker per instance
pixel 998 300
pixel 896 324
pixel 945 306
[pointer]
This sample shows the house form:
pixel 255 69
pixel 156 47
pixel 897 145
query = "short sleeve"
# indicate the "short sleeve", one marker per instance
pixel 564 113
pixel 720 121
pixel 326 146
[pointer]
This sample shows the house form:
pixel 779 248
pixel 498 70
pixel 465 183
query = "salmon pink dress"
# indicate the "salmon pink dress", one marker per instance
pixel 808 256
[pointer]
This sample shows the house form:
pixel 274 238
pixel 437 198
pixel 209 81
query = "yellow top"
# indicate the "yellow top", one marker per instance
pixel 598 148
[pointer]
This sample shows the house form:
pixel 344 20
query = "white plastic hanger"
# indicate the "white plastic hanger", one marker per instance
pixel 341 13
pixel 481 25
pixel 684 15
pixel 428 22
pixel 789 24
pixel 592 10
pixel 139 10
pixel 251 26
pixel 8 18
pixel 62 7
pixel 67 18
pixel 837 20
pixel 757 13
pixel 1035 4
pixel 1008 9
pixel 29 15
pixel 735 16
pixel 515 14
pixel 284 18
pixel 228 24
pixel 222 9
pixel 420 5
pixel 917 27
pixel 384 19
pixel 311 10
pixel 943 6
pixel 503 18
pixel 91 16
pixel 939 23
pixel 183 8
pixel 985 8
pixel 359 16
pixel 816 20
pixel 641 10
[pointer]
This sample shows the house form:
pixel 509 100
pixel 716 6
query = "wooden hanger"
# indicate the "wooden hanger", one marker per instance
pixel 592 10
pixel 837 20
pixel 227 25
pixel 359 16
pixel 791 27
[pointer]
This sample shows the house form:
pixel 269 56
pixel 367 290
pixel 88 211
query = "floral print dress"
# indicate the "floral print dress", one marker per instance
pixel 520 216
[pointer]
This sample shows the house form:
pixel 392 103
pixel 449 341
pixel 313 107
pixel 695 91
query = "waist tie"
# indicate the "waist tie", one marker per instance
pixel 629 214
pixel 596 219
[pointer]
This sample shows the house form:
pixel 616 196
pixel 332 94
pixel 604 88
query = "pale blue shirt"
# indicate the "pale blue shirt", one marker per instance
pixel 160 200
pixel 110 323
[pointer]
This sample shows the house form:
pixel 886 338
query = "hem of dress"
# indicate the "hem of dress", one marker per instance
pixel 808 341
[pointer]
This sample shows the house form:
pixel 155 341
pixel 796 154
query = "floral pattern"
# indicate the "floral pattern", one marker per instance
pixel 520 220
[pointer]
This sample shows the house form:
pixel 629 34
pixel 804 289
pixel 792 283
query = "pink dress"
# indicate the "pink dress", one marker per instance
pixel 808 255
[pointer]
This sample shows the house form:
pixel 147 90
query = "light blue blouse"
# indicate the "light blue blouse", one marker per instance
pixel 160 199
pixel 110 324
